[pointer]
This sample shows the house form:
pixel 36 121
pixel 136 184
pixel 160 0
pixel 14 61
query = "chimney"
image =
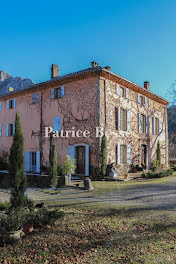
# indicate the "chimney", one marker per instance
pixel 147 85
pixel 54 71
pixel 94 64
pixel 108 68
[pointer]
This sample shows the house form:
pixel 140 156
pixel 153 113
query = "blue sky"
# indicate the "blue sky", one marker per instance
pixel 136 38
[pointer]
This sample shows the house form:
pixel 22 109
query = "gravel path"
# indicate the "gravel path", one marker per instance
pixel 153 196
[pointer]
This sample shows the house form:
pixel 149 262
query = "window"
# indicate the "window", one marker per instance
pixel 57 92
pixel 142 100
pixel 10 130
pixel 32 161
pixel 143 124
pixel 156 126
pixel 122 119
pixel 35 98
pixel 11 104
pixel 123 154
pixel 123 92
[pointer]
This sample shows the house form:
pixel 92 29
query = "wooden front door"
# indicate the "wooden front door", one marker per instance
pixel 144 156
pixel 80 159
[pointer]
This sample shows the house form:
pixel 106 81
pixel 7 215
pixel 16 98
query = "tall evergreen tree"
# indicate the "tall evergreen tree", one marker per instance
pixel 53 166
pixel 17 177
pixel 158 153
pixel 103 157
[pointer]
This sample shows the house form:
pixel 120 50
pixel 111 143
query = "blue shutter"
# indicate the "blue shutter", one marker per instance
pixel 127 93
pixel 118 153
pixel 71 152
pixel 87 160
pixel 13 128
pixel 128 154
pixel 52 93
pixel 128 120
pixel 27 161
pixel 7 130
pixel 0 106
pixel 14 103
pixel 0 130
pixel 62 91
pixel 38 161
pixel 57 123
pixel 7 104
pixel 35 98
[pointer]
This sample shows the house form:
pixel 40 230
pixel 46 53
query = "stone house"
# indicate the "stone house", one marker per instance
pixel 133 118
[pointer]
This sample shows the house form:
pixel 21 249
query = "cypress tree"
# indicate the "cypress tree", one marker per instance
pixel 158 153
pixel 53 166
pixel 17 177
pixel 103 155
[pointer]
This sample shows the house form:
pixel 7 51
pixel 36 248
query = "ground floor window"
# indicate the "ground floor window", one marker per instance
pixel 123 154
pixel 32 161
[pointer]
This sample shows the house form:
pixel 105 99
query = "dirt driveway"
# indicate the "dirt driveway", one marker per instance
pixel 154 196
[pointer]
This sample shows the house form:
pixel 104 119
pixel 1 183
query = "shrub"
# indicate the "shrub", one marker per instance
pixel 68 166
pixel 13 220
pixel 43 216
pixel 154 165
pixel 18 179
pixel 157 173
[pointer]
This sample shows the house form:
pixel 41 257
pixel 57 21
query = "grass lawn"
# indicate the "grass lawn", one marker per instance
pixel 103 234
pixel 89 235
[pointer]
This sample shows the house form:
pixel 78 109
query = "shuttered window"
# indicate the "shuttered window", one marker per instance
pixel 0 130
pixel 123 154
pixel 32 161
pixel 10 130
pixel 57 123
pixel 0 106
pixel 11 104
pixel 122 119
pixel 156 126
pixel 143 124
pixel 57 92
pixel 35 98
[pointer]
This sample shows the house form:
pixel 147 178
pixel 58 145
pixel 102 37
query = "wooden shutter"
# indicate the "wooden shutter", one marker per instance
pixel 38 161
pixel 14 103
pixel 154 125
pixel 0 130
pixel 145 101
pixel 139 123
pixel 160 126
pixel 57 123
pixel 127 93
pixel 0 106
pixel 116 118
pixel 27 161
pixel 147 125
pixel 62 91
pixel 87 160
pixel 128 153
pixel 118 153
pixel 128 120
pixel 7 103
pixel 52 93
pixel 117 89
pixel 7 130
